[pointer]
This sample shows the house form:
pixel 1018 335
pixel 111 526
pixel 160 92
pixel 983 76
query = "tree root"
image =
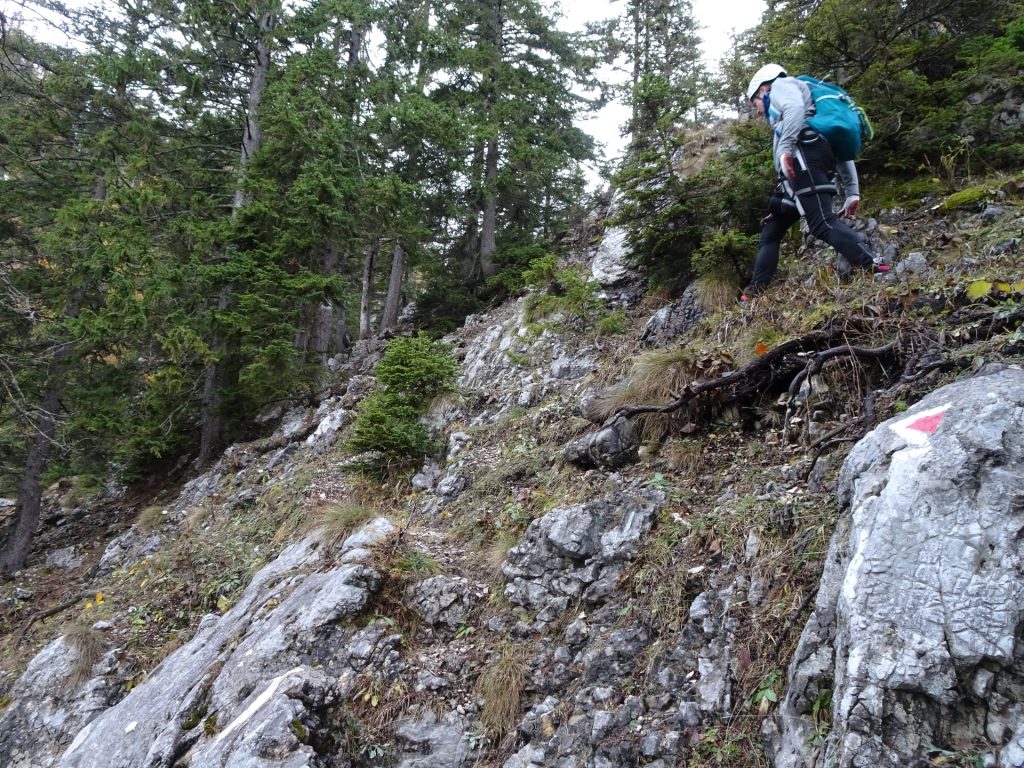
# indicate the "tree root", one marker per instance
pixel 759 370
pixel 918 349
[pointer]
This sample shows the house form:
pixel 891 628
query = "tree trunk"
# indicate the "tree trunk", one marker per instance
pixel 219 374
pixel 214 379
pixel 367 294
pixel 637 63
pixel 489 229
pixel 252 137
pixel 355 45
pixel 324 330
pixel 30 491
pixel 329 328
pixel 394 298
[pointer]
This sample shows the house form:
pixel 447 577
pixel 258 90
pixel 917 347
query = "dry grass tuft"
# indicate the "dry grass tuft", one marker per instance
pixel 496 552
pixel 715 292
pixel 501 687
pixel 685 456
pixel 89 645
pixel 150 518
pixel 658 377
pixel 340 520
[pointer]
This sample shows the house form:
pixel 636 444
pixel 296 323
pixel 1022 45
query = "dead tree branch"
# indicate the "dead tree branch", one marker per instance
pixel 763 364
pixel 52 611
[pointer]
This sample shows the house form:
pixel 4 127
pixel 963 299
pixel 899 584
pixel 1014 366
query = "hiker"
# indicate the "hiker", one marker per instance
pixel 806 165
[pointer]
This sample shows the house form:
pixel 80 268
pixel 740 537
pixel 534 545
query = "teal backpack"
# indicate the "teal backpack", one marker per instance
pixel 838 118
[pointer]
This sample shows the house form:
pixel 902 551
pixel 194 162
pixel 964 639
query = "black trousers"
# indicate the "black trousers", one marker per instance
pixel 809 195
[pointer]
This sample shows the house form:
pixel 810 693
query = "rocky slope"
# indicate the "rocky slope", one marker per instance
pixel 703 587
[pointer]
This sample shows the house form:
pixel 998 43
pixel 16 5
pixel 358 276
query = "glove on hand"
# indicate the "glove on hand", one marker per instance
pixel 787 166
pixel 850 206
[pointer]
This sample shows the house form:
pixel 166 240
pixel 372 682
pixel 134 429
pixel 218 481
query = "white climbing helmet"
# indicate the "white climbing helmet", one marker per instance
pixel 765 74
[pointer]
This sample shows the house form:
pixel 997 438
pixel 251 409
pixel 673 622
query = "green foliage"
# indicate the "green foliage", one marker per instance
pixel 416 564
pixel 924 72
pixel 571 294
pixel 668 216
pixel 518 263
pixel 725 255
pixel 612 324
pixel 444 305
pixel 417 369
pixel 388 427
pixel 542 273
pixel 767 693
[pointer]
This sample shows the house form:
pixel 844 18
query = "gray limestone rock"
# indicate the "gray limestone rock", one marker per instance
pixel 425 479
pixel 293 425
pixel 46 709
pixel 610 263
pixel 127 549
pixel 272 730
pixel 992 213
pixel 427 742
pixel 671 322
pixel 569 551
pixel 252 668
pixel 64 559
pixel 572 367
pixel 921 606
pixel 443 601
pixel 915 263
pixel 331 417
pixel 609 447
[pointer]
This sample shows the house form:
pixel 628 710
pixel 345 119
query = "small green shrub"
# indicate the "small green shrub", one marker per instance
pixel 542 272
pixel 720 263
pixel 725 255
pixel 568 292
pixel 417 369
pixel 612 324
pixel 411 373
pixel 388 426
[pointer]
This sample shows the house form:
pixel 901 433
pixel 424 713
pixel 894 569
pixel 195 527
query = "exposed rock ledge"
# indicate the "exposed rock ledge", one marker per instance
pixel 917 635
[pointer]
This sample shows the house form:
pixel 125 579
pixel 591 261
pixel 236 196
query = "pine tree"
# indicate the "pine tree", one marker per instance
pixel 514 76
pixel 668 96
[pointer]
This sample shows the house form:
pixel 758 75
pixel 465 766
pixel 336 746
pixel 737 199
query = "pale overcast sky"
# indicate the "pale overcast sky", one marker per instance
pixel 718 19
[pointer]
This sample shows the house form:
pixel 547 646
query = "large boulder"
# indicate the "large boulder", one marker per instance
pixel 49 703
pixel 917 635
pixel 253 682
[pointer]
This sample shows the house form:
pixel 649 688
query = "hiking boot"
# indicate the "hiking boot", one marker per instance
pixel 749 293
pixel 874 268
